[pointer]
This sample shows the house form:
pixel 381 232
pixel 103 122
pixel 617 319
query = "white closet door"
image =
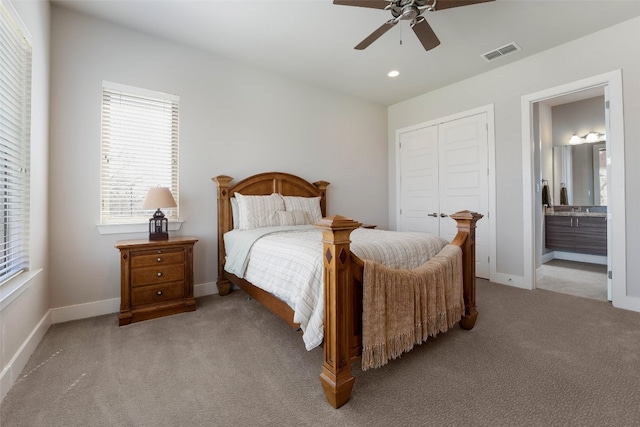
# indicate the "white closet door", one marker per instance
pixel 419 204
pixel 464 179
pixel 443 170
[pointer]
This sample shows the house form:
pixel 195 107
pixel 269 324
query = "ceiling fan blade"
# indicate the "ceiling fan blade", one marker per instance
pixel 425 34
pixel 448 4
pixel 374 4
pixel 377 33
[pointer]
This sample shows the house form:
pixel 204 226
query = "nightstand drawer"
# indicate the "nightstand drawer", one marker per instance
pixel 156 257
pixel 159 274
pixel 157 293
pixel 156 278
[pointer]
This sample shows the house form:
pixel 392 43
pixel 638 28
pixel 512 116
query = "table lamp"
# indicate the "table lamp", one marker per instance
pixel 159 197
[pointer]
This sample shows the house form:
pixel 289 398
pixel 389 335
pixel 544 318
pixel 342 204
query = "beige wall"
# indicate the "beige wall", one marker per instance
pixel 237 120
pixel 25 319
pixel 504 87
pixel 578 117
pixel 234 120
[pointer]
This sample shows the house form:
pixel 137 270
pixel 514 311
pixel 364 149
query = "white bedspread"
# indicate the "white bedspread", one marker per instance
pixel 288 264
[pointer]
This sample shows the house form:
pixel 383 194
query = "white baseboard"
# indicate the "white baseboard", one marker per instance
pixel 571 256
pixel 82 311
pixel 548 257
pixel 10 373
pixel 627 303
pixel 99 308
pixel 509 279
pixel 205 289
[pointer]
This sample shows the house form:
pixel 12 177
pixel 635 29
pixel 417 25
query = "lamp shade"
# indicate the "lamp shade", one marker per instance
pixel 159 197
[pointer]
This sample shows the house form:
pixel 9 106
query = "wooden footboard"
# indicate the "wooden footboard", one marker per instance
pixel 343 274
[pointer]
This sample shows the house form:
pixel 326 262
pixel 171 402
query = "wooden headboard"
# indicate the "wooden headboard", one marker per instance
pixel 256 185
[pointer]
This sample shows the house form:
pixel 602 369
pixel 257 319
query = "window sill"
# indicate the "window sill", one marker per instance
pixel 14 287
pixel 133 228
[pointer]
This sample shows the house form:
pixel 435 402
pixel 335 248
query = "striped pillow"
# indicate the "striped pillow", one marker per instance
pixel 292 218
pixel 234 213
pixel 309 205
pixel 258 211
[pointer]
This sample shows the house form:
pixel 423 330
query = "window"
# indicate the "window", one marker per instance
pixel 15 123
pixel 139 150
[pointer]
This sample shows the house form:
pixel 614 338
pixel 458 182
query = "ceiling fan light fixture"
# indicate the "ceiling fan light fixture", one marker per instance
pixel 393 73
pixel 407 10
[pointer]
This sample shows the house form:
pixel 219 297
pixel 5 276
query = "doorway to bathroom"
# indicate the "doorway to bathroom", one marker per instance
pixel 541 261
pixel 570 135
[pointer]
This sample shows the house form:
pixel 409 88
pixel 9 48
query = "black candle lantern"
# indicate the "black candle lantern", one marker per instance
pixel 158 197
pixel 158 227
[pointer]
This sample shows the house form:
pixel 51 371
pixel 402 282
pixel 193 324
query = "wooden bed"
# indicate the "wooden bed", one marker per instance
pixel 343 274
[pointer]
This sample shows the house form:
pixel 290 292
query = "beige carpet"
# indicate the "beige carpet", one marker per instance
pixel 535 358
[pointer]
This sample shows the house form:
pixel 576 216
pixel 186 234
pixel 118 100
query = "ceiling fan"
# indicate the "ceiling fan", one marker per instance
pixel 407 10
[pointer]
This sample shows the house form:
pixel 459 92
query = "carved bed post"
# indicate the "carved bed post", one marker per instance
pixel 224 217
pixel 336 377
pixel 322 187
pixel 466 223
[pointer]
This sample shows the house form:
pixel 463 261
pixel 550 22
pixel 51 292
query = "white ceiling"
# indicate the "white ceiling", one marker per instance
pixel 313 40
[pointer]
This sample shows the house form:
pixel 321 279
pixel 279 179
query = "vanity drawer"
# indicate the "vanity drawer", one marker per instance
pixel 157 257
pixel 159 274
pixel 157 293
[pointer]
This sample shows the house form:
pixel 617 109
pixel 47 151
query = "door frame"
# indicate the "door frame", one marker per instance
pixel 612 81
pixel 491 160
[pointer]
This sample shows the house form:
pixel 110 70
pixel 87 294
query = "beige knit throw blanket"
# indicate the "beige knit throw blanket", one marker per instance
pixel 402 308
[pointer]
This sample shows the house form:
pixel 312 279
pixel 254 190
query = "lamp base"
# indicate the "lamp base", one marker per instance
pixel 158 236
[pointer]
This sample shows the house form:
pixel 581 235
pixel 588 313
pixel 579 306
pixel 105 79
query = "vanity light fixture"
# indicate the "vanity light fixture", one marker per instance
pixel 594 137
pixel 589 137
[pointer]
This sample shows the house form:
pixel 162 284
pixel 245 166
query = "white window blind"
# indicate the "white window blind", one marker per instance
pixel 139 150
pixel 15 124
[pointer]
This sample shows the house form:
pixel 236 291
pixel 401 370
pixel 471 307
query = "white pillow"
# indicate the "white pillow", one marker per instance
pixel 310 205
pixel 235 215
pixel 292 218
pixel 258 211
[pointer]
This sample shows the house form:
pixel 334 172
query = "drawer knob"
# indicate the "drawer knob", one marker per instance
pixel 159 292
pixel 159 274
pixel 159 259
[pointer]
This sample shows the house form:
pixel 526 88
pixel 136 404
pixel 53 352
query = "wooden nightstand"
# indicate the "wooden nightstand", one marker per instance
pixel 156 278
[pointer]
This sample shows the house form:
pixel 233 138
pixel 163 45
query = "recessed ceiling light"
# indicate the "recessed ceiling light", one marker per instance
pixel 393 73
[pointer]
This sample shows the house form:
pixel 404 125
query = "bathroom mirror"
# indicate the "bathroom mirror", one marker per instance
pixel 582 169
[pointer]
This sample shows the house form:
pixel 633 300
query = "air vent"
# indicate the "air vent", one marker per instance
pixel 500 52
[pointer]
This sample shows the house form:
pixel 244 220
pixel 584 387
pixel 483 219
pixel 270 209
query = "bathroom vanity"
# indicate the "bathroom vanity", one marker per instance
pixel 581 229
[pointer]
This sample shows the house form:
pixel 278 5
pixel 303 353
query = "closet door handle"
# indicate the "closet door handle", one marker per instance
pixel 433 214
pixel 443 215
